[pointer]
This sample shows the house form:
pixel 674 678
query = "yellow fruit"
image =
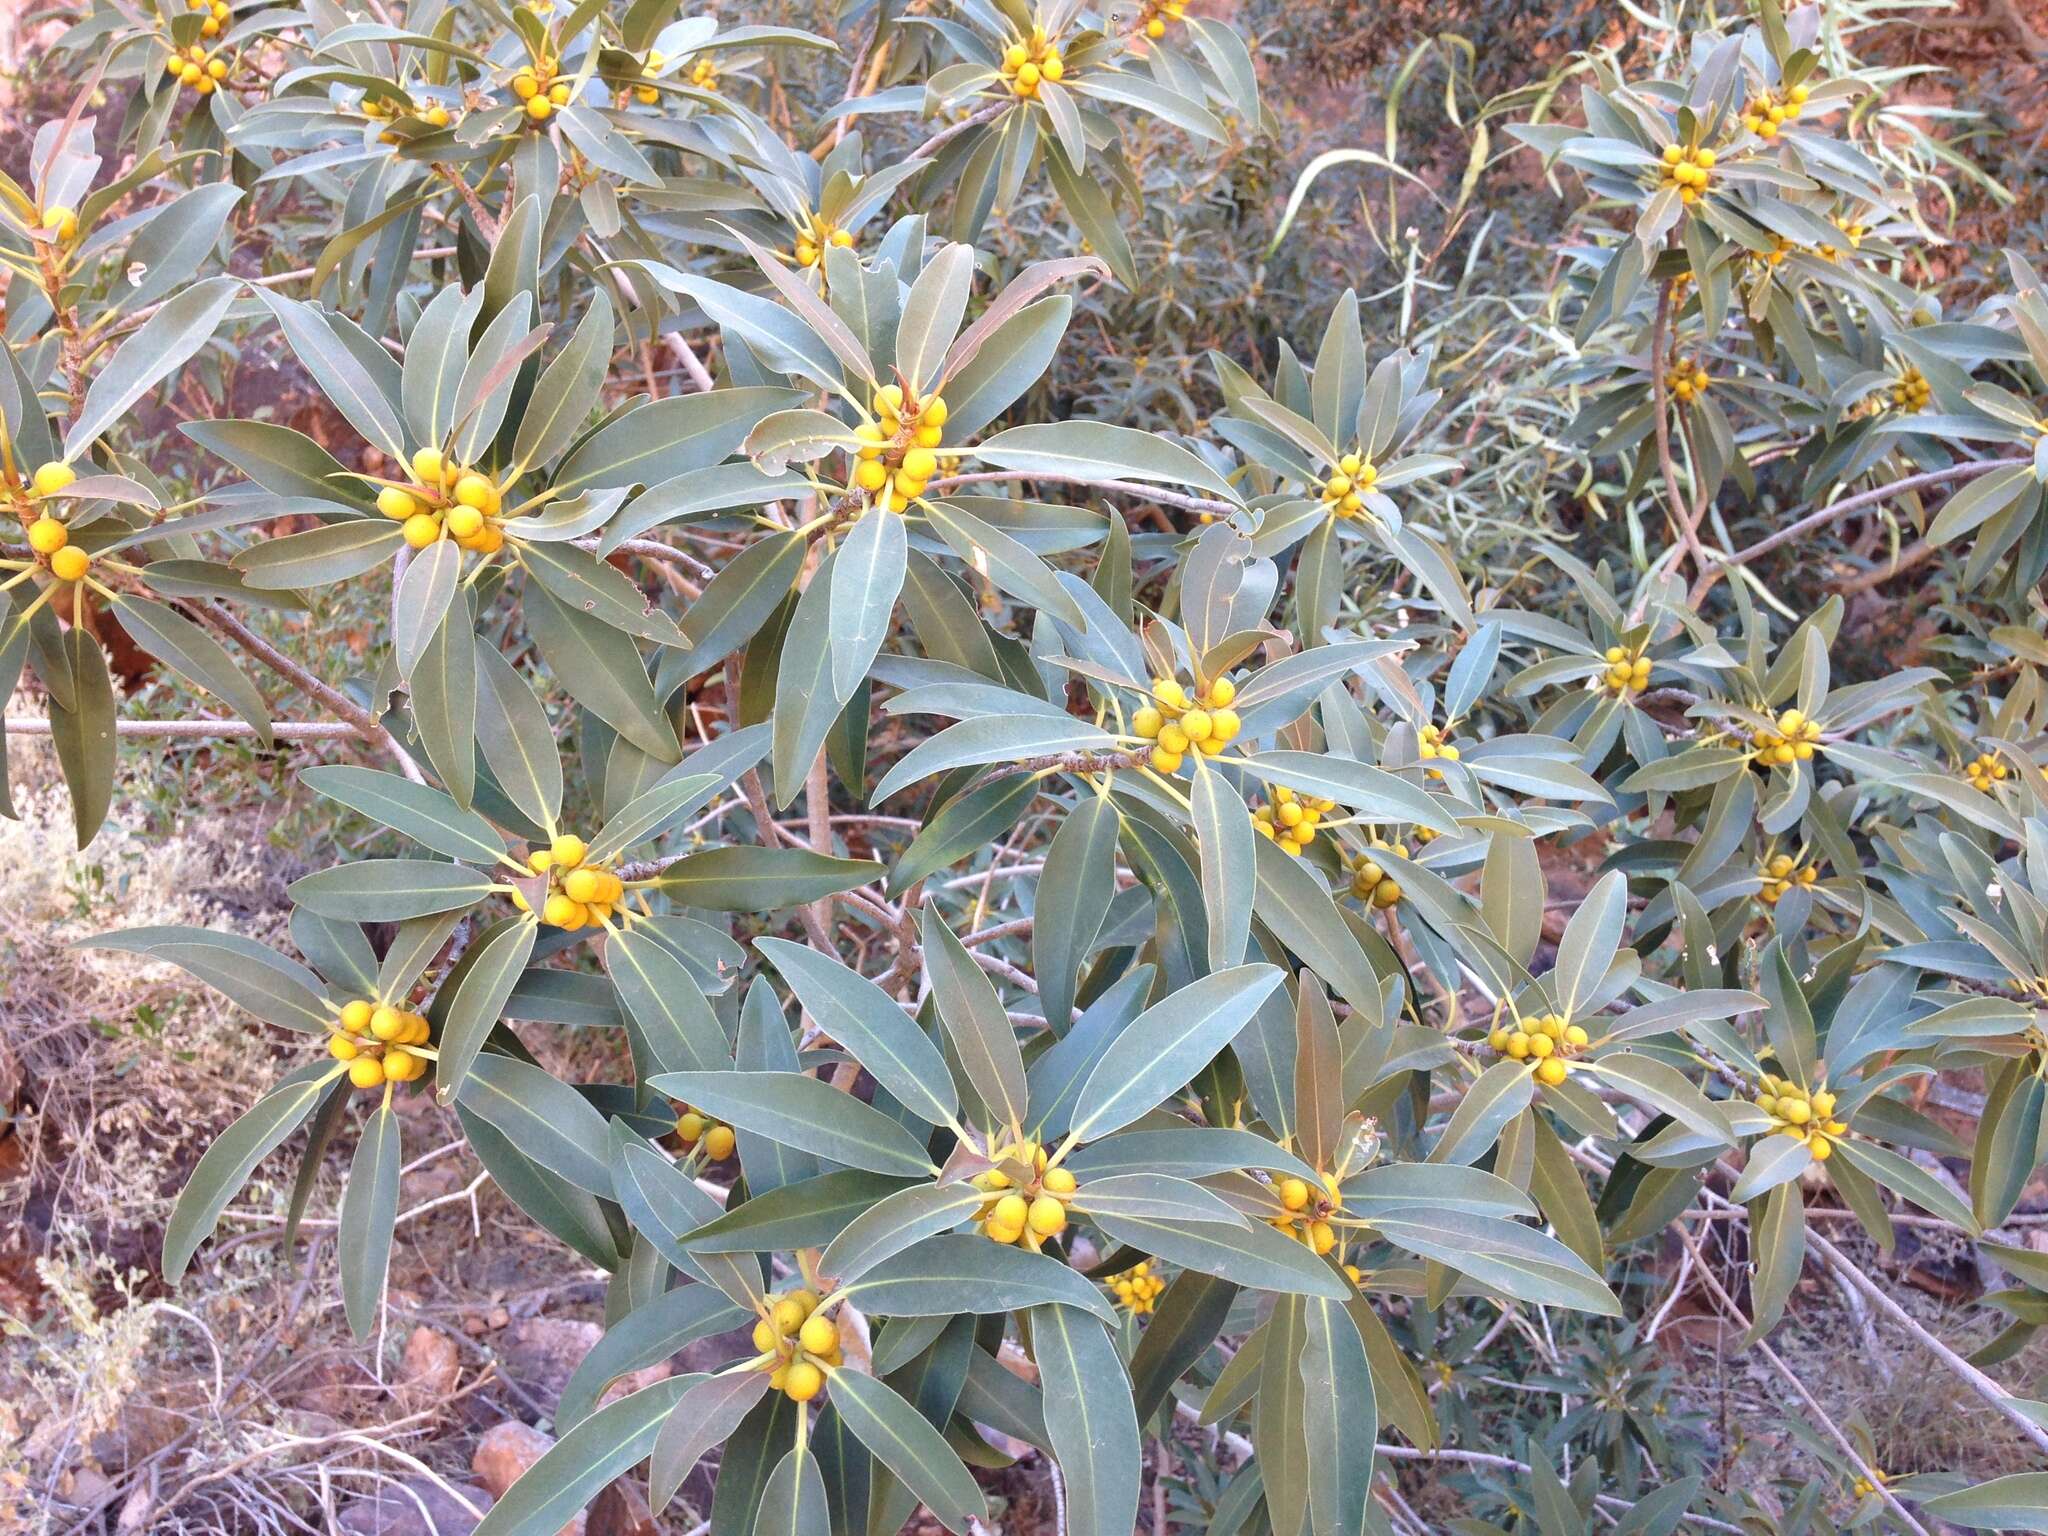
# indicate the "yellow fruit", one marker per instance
pixel 341 1048
pixel 1147 722
pixel 46 535
pixel 524 85
pixel 1322 1237
pixel 1061 1182
pixel 765 1336
pixel 584 885
pixel 51 478
pixel 1011 1211
pixel 788 1315
pixel 438 116
pixel 538 108
pixel 387 1023
pixel 69 563
pixel 1824 1104
pixel 1551 1073
pixel 1173 739
pixel 1224 725
pixel 1575 1035
pixel 889 400
pixel 1293 1194
pixel 871 475
pixel 366 1072
pixel 396 504
pixel 355 1018
pixel 1047 1216
pixel 1797 1111
pixel 61 222
pixel 474 490
pixel 1197 724
pixel 1015 57
pixel 559 95
pixel 718 1143
pixel 920 463
pixel 562 912
pixel 928 437
pixel 1221 692
pixel 804 1382
pixel 820 1336
pixel 568 850
pixel 421 529
pixel 1002 1233
pixel 1052 67
pixel 465 522
pixel 1165 761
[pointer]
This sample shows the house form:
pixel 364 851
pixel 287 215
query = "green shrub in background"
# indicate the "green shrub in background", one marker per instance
pixel 1075 892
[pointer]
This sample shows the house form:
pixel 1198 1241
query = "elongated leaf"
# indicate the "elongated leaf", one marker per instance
pixel 572 1471
pixel 809 1115
pixel 760 879
pixel 668 1009
pixel 903 1442
pixel 1089 1417
pixel 895 1223
pixel 369 1207
pixel 424 814
pixel 868 1022
pixel 166 341
pixel 1166 1045
pixel 199 658
pixel 956 1273
pixel 544 1117
pixel 974 1019
pixel 226 1165
pixel 390 890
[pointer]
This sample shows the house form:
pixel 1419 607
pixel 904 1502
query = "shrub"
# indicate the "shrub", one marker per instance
pixel 1184 804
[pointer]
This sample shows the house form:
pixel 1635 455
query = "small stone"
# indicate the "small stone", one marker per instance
pixel 432 1365
pixel 415 1507
pixel 539 1354
pixel 507 1450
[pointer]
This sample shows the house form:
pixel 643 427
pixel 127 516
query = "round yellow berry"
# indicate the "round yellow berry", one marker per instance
pixel 51 478
pixel 366 1072
pixel 804 1382
pixel 46 535
pixel 718 1143
pixel 69 563
pixel 1047 1216
pixel 1061 1182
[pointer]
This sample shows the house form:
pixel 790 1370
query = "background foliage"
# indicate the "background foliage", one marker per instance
pixel 1434 815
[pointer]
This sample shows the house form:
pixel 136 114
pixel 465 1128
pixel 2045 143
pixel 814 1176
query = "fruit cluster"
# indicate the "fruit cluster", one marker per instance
pixel 647 95
pixel 1547 1042
pixel 1025 65
pixel 1343 492
pixel 1370 882
pixel 1290 819
pixel 896 456
pixel 446 498
pixel 1796 1112
pixel 1688 170
pixel 810 250
pixel 1627 672
pixel 47 535
pixel 1177 724
pixel 1983 770
pixel 217 15
pixel 1159 12
pixel 197 69
pixel 373 1039
pixel 1910 390
pixel 693 1128
pixel 536 85
pixel 1767 113
pixel 1792 741
pixel 1305 1212
pixel 383 109
pixel 797 1343
pixel 704 73
pixel 1137 1288
pixel 1028 1209
pixel 579 895
pixel 1687 379
pixel 1781 872
pixel 1432 742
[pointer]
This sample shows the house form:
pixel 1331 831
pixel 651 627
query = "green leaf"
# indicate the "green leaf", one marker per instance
pixel 869 1023
pixel 760 879
pixel 84 732
pixel 2016 1502
pixel 667 1007
pixel 1777 1227
pixel 648 1335
pixel 597 589
pixel 319 556
pixel 1167 1045
pixel 654 811
pixel 576 1468
pixel 958 1272
pixel 1089 1418
pixel 894 1223
pixel 444 701
pixel 196 656
pixel 369 1208
pixel 866 579
pixel 1098 450
pixel 794 1503
pixel 226 1165
pixel 1342 1419
pixel 472 1003
pixel 166 342
pixel 1293 902
pixel 517 741
pixel 1906 1179
pixel 426 815
pixel 1250 1254
pixel 1006 561
pixel 807 1213
pixel 903 1442
pixel 425 592
pixel 809 1115
pixel 601 669
pixel 344 378
pixel 665 438
pixel 932 312
pixel 251 975
pixel 1074 893
pixel 390 890
pixel 544 1117
pixel 1223 832
pixel 1515 1260
pixel 1186 1321
pixel 976 1023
